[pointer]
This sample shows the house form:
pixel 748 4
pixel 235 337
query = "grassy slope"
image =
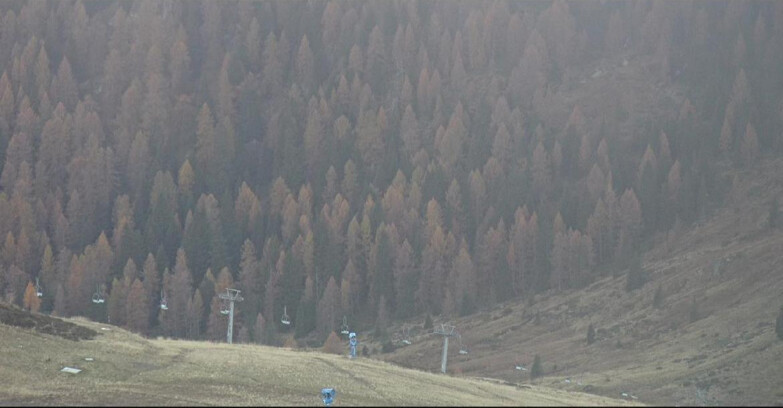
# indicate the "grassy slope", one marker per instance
pixel 130 370
pixel 731 352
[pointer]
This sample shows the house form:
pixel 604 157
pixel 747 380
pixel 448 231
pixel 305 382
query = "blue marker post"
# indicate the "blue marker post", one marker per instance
pixel 327 395
pixel 353 342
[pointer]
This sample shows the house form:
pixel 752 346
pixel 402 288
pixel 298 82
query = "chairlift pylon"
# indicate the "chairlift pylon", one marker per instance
pixel 285 319
pixel 38 290
pixel 344 327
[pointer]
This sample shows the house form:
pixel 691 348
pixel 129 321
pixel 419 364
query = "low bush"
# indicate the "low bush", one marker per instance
pixel 333 344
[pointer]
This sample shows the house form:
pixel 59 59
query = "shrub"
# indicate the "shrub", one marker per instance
pixel 333 344
pixel 658 298
pixel 590 334
pixel 380 332
pixel 365 351
pixel 388 347
pixel 290 342
pixel 427 322
pixel 694 313
pixel 637 276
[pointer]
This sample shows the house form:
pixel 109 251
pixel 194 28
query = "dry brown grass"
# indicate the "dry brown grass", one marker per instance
pixel 130 370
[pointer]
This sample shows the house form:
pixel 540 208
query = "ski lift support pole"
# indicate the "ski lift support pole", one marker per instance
pixel 232 295
pixel 446 331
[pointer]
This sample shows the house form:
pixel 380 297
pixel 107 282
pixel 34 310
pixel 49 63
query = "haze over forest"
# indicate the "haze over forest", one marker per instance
pixel 376 160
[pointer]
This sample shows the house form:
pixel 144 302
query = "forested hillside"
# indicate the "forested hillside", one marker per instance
pixel 375 160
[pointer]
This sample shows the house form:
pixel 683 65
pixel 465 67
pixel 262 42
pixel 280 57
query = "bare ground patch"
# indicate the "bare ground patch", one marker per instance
pixel 13 316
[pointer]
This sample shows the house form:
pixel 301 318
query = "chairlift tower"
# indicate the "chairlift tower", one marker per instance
pixel 231 295
pixel 446 331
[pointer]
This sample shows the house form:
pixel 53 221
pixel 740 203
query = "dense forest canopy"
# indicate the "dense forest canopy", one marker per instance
pixel 375 160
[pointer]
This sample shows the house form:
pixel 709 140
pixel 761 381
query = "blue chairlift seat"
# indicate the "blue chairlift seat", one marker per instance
pixel 328 395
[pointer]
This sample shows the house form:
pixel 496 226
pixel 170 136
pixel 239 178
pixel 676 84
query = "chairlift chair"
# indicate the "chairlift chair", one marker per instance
pixel 462 348
pixel 328 395
pixel 405 337
pixel 285 319
pixel 164 304
pixel 224 308
pixel 97 297
pixel 38 290
pixel 344 326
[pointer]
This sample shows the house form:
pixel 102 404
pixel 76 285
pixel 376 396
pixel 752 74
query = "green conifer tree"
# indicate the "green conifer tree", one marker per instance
pixel 537 370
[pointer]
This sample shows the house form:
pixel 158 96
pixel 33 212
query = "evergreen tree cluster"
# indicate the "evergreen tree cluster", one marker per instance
pixel 375 160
